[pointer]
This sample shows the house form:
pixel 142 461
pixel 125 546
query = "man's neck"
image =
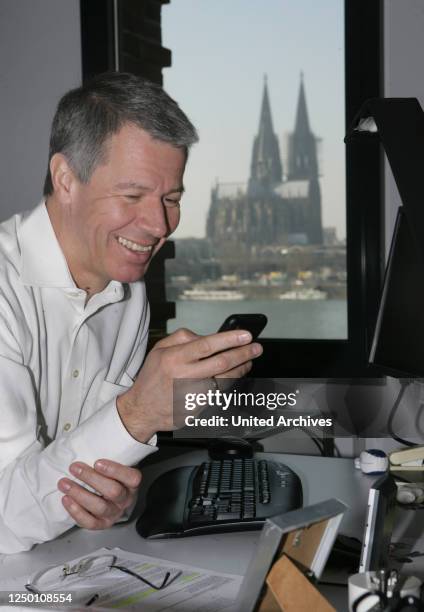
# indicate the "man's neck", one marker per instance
pixel 63 232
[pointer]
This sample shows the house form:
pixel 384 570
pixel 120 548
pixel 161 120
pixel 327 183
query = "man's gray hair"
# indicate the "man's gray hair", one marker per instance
pixel 87 116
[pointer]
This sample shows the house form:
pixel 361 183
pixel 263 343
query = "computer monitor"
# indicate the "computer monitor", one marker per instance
pixel 398 341
pixel 398 123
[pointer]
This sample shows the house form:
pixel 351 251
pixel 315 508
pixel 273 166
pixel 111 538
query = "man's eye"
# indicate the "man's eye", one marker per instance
pixel 171 202
pixel 132 196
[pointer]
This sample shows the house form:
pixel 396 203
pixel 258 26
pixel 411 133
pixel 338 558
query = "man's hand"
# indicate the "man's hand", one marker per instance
pixel 116 485
pixel 147 407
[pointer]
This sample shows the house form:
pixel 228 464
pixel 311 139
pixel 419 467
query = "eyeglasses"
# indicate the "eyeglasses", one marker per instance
pixel 88 567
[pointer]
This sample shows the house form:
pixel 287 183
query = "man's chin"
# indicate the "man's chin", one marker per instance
pixel 131 275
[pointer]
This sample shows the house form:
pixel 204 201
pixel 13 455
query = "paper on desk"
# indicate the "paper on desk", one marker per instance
pixel 192 590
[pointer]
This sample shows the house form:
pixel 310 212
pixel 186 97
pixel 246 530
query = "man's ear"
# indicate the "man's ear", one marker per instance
pixel 62 177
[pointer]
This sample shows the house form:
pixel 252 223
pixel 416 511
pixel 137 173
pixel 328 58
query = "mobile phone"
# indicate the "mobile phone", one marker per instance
pixel 254 323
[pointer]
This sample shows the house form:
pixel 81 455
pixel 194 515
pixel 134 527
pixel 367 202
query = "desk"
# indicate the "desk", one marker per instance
pixel 321 477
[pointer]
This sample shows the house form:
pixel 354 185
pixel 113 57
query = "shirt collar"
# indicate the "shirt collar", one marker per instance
pixel 43 263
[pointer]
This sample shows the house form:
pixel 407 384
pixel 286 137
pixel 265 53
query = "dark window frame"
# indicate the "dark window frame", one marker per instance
pixel 364 189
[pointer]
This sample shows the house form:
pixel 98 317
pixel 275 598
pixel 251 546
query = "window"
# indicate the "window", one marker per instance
pixel 263 225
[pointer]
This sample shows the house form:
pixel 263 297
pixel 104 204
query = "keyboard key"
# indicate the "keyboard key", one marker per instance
pixel 228 516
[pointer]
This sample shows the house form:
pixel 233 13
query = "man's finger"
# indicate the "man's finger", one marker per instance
pixel 128 476
pixel 222 363
pixel 180 336
pixel 82 517
pixel 94 504
pixel 237 372
pixel 108 487
pixel 215 343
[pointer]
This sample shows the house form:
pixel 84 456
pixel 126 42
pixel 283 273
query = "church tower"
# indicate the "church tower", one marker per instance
pixel 271 209
pixel 265 169
pixel 303 168
pixel 302 159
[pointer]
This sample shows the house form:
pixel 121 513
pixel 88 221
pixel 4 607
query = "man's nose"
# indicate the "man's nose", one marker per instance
pixel 152 217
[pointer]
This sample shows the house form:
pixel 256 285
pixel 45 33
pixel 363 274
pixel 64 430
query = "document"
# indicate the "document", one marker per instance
pixel 188 589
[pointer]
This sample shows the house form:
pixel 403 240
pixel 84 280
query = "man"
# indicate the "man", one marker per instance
pixel 76 409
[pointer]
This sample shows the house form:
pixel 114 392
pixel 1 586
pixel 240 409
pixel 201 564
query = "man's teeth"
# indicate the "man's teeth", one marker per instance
pixel 133 246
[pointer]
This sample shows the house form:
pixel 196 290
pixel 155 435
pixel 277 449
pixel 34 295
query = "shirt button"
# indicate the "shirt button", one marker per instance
pixel 75 373
pixel 67 427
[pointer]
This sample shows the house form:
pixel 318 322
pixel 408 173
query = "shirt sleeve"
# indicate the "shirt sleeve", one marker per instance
pixel 31 510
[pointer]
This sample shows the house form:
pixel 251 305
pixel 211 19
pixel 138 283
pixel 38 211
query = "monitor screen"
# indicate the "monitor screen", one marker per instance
pixel 398 343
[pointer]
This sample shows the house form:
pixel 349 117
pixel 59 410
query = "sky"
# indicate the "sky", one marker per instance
pixel 221 50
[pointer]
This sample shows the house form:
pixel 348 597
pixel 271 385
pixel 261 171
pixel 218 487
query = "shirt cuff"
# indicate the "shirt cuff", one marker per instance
pixel 103 435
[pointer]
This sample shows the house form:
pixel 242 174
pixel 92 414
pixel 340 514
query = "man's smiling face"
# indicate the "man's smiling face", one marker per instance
pixel 119 220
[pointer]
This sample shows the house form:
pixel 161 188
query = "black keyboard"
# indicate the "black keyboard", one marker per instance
pixel 225 495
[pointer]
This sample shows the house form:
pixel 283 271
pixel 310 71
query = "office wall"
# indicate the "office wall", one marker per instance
pixel 40 58
pixel 403 72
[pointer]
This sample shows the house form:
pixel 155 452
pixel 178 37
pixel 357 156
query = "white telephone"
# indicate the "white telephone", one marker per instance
pixel 409 459
pixel 408 470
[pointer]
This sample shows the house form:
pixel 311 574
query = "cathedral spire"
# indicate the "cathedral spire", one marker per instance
pixel 302 161
pixel 265 169
pixel 266 130
pixel 302 120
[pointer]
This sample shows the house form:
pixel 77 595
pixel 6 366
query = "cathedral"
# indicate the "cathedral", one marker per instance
pixel 277 206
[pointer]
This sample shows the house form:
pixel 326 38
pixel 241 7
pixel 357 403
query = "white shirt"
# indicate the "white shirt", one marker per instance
pixel 62 365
